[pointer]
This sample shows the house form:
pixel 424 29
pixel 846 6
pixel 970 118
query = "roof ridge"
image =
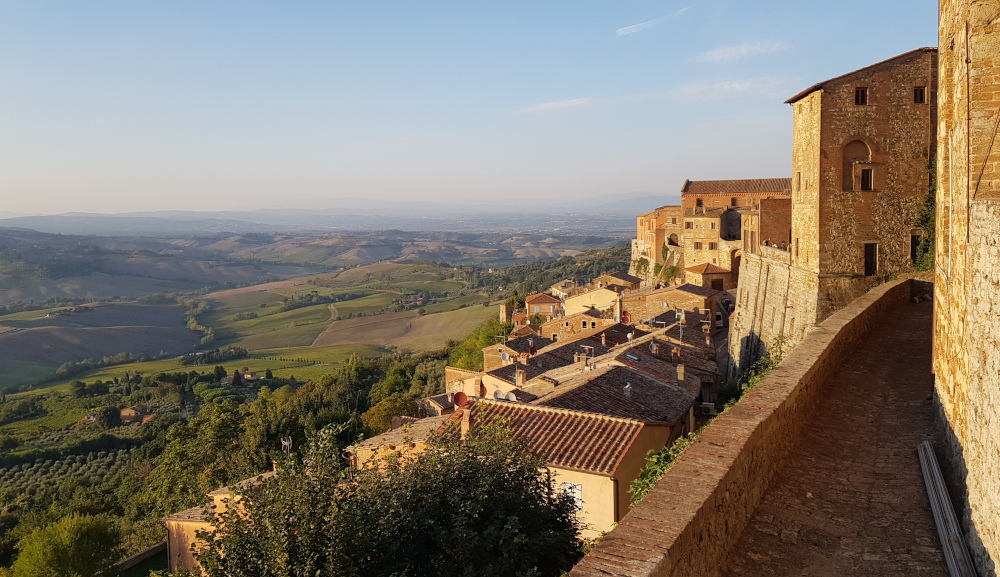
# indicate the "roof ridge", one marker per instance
pixel 819 85
pixel 557 410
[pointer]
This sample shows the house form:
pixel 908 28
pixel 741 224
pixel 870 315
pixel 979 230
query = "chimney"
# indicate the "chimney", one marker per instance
pixel 675 355
pixel 576 358
pixel 465 422
pixel 519 377
pixel 680 373
pixel 707 328
pixel 583 361
pixel 708 340
pixel 604 339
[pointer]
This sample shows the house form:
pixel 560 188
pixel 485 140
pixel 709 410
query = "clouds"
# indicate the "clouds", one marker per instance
pixel 739 51
pixel 556 106
pixel 650 23
pixel 731 89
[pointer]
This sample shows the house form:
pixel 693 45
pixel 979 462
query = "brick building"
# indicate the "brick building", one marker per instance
pixel 862 144
pixel 967 269
pixel 657 241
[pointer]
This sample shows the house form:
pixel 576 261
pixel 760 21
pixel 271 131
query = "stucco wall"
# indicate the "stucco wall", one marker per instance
pixel 697 511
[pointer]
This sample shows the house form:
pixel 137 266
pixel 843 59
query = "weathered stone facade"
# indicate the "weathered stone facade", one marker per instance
pixel 862 144
pixel 656 231
pixel 967 270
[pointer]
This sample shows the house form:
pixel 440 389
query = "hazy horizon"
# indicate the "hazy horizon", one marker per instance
pixel 120 107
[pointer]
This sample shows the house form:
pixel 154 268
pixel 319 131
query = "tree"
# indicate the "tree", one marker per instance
pixel 926 221
pixel 78 388
pixel 220 373
pixel 108 418
pixel 378 419
pixel 237 379
pixel 268 374
pixel 76 546
pixel 482 506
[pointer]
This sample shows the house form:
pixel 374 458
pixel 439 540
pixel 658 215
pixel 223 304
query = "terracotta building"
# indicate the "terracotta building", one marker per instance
pixel 967 269
pixel 700 195
pixel 657 242
pixel 862 145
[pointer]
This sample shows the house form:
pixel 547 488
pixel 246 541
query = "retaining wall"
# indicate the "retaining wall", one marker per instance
pixel 688 522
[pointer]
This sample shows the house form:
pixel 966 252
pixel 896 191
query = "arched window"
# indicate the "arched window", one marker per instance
pixel 856 152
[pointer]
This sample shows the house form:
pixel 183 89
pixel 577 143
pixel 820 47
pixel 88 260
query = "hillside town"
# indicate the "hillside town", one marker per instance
pixel 597 375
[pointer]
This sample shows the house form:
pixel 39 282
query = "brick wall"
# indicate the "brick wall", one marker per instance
pixel 687 523
pixel 967 271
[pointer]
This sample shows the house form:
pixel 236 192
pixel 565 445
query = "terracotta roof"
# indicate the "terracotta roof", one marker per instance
pixel 228 489
pixel 820 85
pixel 659 367
pixel 524 344
pixel 705 212
pixel 192 514
pixel 747 185
pixel 416 432
pixel 622 276
pixel 697 290
pixel 568 439
pixel 443 400
pixel 707 268
pixel 543 298
pixel 604 391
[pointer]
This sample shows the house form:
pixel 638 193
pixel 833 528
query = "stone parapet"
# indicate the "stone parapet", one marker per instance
pixel 776 254
pixel 692 517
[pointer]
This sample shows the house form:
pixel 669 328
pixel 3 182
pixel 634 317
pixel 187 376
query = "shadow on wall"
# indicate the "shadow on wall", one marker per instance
pixel 956 476
pixel 753 349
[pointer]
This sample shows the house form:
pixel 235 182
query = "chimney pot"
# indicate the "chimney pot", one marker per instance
pixel 604 339
pixel 680 373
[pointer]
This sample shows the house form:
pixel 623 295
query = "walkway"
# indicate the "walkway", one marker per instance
pixel 850 499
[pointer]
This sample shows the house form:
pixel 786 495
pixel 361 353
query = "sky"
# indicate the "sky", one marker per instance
pixel 144 106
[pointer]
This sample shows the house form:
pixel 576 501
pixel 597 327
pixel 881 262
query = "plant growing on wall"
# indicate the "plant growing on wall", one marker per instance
pixel 926 222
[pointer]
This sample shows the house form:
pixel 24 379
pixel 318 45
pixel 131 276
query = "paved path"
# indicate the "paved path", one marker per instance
pixel 850 499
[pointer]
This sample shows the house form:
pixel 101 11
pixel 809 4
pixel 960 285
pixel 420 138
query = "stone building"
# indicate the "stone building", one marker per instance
pixel 862 144
pixel 657 242
pixel 967 269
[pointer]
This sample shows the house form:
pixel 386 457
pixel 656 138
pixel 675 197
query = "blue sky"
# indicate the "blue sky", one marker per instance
pixel 122 106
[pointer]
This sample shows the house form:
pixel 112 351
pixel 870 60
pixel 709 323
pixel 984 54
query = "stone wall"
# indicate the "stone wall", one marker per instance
pixel 774 307
pixel 967 270
pixel 688 522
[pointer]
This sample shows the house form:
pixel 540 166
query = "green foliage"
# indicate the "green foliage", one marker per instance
pixel 108 418
pixel 20 409
pixel 378 419
pixel 515 301
pixel 641 266
pixel 245 316
pixel 215 356
pixel 926 220
pixel 468 354
pixel 76 546
pixel 537 319
pixel 480 507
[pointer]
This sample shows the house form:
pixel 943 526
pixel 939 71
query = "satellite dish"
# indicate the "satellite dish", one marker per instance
pixel 532 351
pixel 505 357
pixel 498 395
pixel 630 336
pixel 460 399
pixel 511 397
pixel 652 347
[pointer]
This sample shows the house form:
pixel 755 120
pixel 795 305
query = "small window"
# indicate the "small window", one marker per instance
pixel 687 224
pixel 713 226
pixel 796 247
pixel 699 203
pixel 713 246
pixel 673 220
pixel 538 309
pixel 574 490
pixel 867 176
pixel 734 201
pixel 920 95
pixel 871 259
pixel 798 181
pixel 697 246
pixel 860 96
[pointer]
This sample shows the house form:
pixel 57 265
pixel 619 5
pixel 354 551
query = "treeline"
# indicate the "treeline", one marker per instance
pixel 314 298
pixel 70 369
pixel 531 277
pixel 215 356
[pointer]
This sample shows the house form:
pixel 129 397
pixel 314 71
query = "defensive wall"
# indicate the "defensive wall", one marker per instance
pixel 688 522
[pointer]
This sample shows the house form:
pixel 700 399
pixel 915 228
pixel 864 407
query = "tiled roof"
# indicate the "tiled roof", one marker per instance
pixel 622 392
pixel 542 298
pixel 707 268
pixel 698 290
pixel 416 432
pixel 743 186
pixel 704 212
pixel 568 439
pixel 659 367
pixel 524 344
pixel 819 85
pixel 623 276
pixel 228 489
pixel 192 514
pixel 443 400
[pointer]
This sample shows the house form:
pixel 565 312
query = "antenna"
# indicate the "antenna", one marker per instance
pixel 286 445
pixel 628 390
pixel 511 397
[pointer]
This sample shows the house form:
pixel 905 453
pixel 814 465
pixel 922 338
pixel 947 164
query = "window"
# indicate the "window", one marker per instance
pixel 697 246
pixel 538 309
pixel 673 220
pixel 914 245
pixel 920 95
pixel 798 181
pixel 713 226
pixel 860 96
pixel 713 246
pixel 687 224
pixel 574 490
pixel 584 325
pixel 699 203
pixel 871 258
pixel 734 201
pixel 867 175
pixel 796 247
pixel 855 152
